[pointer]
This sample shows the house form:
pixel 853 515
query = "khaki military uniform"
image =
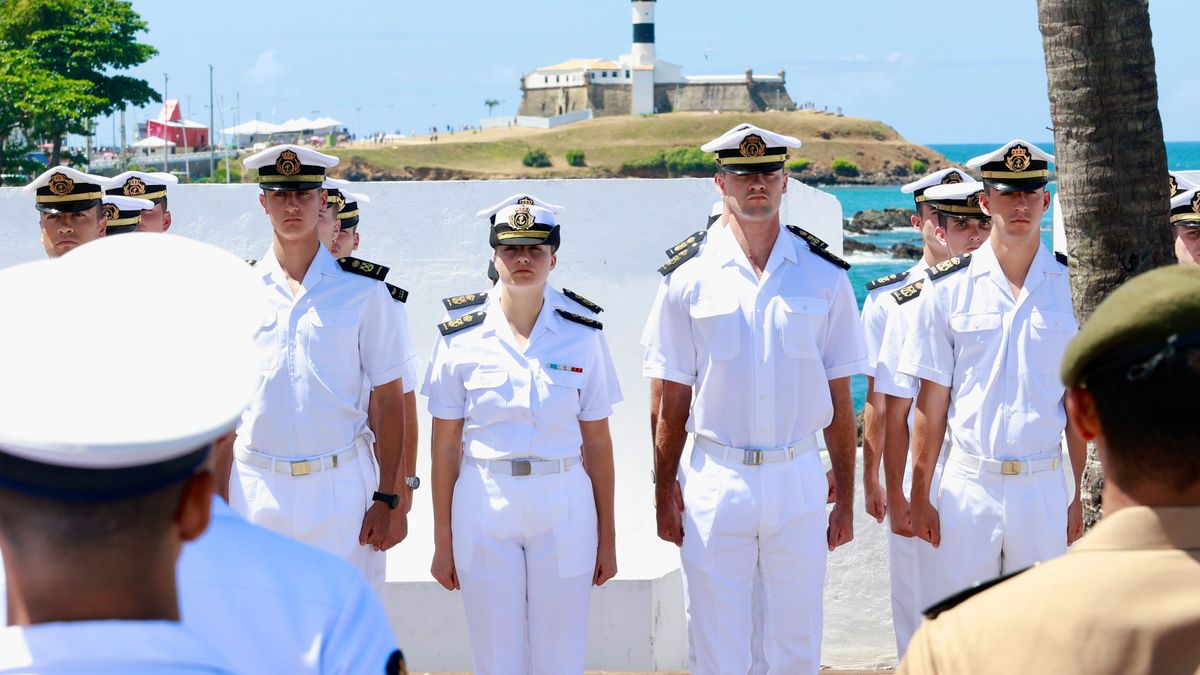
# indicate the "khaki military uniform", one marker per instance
pixel 1125 599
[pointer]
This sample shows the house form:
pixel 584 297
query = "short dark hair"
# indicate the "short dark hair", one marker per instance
pixel 163 201
pixel 1150 423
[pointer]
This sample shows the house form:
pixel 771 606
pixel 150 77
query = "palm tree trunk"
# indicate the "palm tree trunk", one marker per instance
pixel 1111 162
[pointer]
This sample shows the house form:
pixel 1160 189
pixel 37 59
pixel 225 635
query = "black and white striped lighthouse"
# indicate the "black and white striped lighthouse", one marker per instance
pixel 643 33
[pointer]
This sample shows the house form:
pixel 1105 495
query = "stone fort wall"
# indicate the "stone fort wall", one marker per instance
pixel 616 99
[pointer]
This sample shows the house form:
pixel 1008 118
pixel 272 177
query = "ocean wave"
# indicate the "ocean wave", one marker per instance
pixel 863 258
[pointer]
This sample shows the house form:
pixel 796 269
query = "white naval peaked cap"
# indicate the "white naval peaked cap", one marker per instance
pixel 183 315
pixel 519 198
pixel 357 197
pixel 749 149
pixel 944 176
pixel 290 167
pixel 730 140
pixel 1185 208
pixel 128 203
pixel 142 184
pixel 999 153
pixel 65 189
pixel 1014 167
pixel 956 199
pixel 1180 183
pixel 124 213
pixel 953 190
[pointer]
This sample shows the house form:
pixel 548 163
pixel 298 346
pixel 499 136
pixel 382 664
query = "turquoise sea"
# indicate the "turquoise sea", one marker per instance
pixel 1180 156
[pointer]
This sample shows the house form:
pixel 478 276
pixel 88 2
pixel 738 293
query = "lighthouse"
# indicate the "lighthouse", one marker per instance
pixel 642 58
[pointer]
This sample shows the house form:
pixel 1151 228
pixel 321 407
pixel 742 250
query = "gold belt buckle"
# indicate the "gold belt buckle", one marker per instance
pixel 752 457
pixel 1010 467
pixel 301 468
pixel 521 467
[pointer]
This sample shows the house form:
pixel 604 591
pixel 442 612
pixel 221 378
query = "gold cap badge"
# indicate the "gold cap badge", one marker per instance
pixel 340 201
pixel 1017 158
pixel 288 163
pixel 521 219
pixel 1196 202
pixel 973 200
pixel 526 201
pixel 111 211
pixel 951 178
pixel 1173 184
pixel 134 187
pixel 61 185
pixel 752 146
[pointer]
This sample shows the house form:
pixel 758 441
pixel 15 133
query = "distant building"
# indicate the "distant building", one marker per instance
pixel 639 84
pixel 171 126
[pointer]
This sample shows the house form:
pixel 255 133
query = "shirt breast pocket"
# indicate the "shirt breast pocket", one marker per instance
pixel 718 322
pixel 803 326
pixel 267 340
pixel 332 340
pixel 563 393
pixel 976 335
pixel 488 392
pixel 1051 333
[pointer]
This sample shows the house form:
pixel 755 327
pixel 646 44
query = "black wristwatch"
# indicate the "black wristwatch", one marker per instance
pixel 413 482
pixel 392 501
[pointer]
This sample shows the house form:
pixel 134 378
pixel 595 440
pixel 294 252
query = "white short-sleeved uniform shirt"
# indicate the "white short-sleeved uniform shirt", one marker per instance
pixel 108 648
pixel 999 354
pixel 522 403
pixel 315 351
pixel 270 604
pixel 410 366
pixel 876 310
pixel 758 351
pixel 897 332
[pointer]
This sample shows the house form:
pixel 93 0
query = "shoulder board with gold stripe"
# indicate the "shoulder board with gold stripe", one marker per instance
pixel 251 262
pixel 468 300
pixel 887 281
pixel 908 292
pixel 812 239
pixel 398 294
pixel 962 596
pixel 596 309
pixel 828 256
pixel 693 238
pixel 463 322
pixel 364 268
pixel 679 258
pixel 945 267
pixel 1062 258
pixel 571 316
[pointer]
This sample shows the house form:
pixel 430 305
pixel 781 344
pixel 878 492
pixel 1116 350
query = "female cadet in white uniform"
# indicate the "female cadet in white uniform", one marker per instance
pixel 523 523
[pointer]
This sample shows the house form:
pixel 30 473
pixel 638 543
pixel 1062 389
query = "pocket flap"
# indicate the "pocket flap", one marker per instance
pixel 970 323
pixel 486 378
pixel 709 307
pixel 1057 321
pixel 805 305
pixel 565 378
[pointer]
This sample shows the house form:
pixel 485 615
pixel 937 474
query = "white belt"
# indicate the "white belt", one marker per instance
pixel 298 467
pixel 528 466
pixel 755 456
pixel 1009 467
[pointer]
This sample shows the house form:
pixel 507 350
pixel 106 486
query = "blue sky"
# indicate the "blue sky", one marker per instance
pixel 938 72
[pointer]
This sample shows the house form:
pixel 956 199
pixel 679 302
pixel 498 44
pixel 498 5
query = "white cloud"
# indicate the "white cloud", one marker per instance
pixel 896 57
pixel 265 69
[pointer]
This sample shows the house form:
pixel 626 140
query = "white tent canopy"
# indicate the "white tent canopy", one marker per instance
pixel 154 142
pixel 252 128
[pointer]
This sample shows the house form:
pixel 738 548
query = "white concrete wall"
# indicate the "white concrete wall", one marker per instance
pixel 535 122
pixel 614 233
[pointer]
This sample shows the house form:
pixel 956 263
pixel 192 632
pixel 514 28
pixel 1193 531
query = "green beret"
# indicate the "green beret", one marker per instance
pixel 1139 316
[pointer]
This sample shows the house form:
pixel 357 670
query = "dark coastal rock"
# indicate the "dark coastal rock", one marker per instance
pixel 885 219
pixel 906 251
pixel 855 246
pixel 851 227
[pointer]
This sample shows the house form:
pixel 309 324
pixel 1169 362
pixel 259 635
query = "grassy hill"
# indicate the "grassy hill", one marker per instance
pixel 610 144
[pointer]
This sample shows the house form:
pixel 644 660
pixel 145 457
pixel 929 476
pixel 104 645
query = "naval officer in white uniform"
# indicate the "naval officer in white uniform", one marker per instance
pixel 521 391
pixel 763 324
pixel 105 462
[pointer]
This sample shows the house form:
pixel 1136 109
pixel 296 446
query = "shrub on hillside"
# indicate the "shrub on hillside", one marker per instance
pixel 688 160
pixel 537 159
pixel 799 164
pixel 844 167
pixel 575 157
pixel 918 167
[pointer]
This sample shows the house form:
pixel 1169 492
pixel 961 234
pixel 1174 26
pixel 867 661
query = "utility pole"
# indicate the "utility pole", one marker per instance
pixel 212 151
pixel 121 152
pixel 166 139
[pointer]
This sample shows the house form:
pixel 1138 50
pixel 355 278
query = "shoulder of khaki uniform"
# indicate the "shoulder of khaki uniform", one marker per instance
pixel 908 292
pixel 251 262
pixel 962 596
pixel 1062 258
pixel 678 259
pixel 693 238
pixel 468 300
pixel 958 262
pixel 591 306
pixel 812 239
pixel 364 268
pixel 398 294
pixel 582 320
pixel 887 281
pixel 461 323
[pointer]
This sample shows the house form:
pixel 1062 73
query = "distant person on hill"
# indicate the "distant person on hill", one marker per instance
pixel 69 209
pixel 1126 599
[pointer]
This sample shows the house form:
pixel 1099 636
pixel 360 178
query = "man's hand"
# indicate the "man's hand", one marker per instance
pixel 900 515
pixel 406 498
pixel 668 506
pixel 926 523
pixel 442 568
pixel 383 528
pixel 606 562
pixel 875 497
pixel 841 525
pixel 1074 521
pixel 831 496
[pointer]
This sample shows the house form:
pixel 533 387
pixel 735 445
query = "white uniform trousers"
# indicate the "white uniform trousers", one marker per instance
pixel 324 509
pixel 740 521
pixel 992 524
pixel 525 553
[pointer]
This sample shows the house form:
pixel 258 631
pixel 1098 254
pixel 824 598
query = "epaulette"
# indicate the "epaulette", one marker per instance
pixel 812 239
pixel 887 281
pixel 947 266
pixel 1062 258
pixel 398 294
pixel 364 268
pixel 468 300
pixel 678 259
pixel 693 238
pixel 958 598
pixel 908 292
pixel 711 220
pixel 593 307
pixel 462 322
pixel 251 262
pixel 571 316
